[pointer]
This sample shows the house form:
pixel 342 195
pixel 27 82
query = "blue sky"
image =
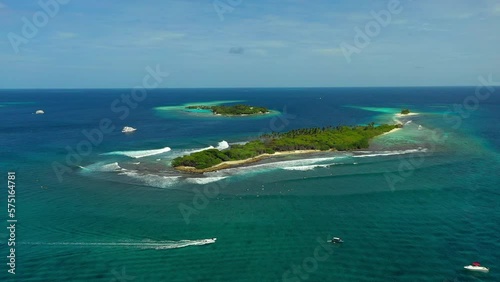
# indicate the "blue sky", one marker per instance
pixel 258 43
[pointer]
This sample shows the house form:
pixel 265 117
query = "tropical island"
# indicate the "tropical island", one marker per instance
pixel 232 110
pixel 340 138
pixel 405 111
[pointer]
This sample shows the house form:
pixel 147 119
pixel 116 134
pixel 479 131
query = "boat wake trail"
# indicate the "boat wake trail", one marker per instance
pixel 156 245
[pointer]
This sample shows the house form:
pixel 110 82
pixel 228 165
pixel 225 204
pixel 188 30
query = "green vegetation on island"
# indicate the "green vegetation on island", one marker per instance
pixel 233 110
pixel 405 111
pixel 340 138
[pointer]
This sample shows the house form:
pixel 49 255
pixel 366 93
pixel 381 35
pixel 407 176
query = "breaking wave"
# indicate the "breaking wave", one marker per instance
pixel 300 164
pixel 389 153
pixel 139 154
pixel 222 145
pixel 314 163
pixel 157 181
pixel 103 167
pixel 204 180
pixel 307 167
pixel 187 152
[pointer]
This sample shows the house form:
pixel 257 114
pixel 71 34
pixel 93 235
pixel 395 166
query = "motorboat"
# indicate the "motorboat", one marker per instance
pixel 39 112
pixel 336 240
pixel 476 266
pixel 128 129
pixel 209 241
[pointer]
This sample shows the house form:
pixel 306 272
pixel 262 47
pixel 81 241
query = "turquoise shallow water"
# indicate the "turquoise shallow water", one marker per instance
pixel 127 216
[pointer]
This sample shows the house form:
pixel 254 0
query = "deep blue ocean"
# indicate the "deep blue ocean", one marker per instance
pixel 418 205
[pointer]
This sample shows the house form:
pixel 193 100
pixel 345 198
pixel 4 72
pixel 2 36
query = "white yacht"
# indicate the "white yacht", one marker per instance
pixel 40 112
pixel 476 266
pixel 128 129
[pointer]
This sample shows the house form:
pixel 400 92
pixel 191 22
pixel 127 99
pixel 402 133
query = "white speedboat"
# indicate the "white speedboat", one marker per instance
pixel 40 112
pixel 476 266
pixel 128 129
pixel 336 240
pixel 208 241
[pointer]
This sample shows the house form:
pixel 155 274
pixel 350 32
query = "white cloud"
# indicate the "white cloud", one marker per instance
pixel 269 44
pixel 496 10
pixel 138 38
pixel 259 52
pixel 329 51
pixel 462 16
pixel 359 16
pixel 449 9
pixel 157 37
pixel 400 22
pixel 65 35
pixel 165 35
pixel 426 27
pixel 30 59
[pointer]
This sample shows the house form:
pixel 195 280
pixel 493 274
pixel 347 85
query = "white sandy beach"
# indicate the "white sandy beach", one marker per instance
pixel 392 131
pixel 399 115
pixel 230 164
pixel 407 115
pixel 265 156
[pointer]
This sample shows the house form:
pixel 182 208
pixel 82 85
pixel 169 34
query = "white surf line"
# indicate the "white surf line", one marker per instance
pixel 140 153
pixel 391 153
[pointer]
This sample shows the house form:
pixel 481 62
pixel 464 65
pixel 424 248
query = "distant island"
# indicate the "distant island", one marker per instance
pixel 233 110
pixel 340 138
pixel 405 111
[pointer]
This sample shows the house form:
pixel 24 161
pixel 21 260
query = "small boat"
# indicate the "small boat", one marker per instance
pixel 128 129
pixel 476 266
pixel 336 240
pixel 39 112
pixel 420 127
pixel 209 241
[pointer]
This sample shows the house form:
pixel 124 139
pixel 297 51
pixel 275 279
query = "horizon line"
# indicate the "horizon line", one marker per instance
pixel 243 87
